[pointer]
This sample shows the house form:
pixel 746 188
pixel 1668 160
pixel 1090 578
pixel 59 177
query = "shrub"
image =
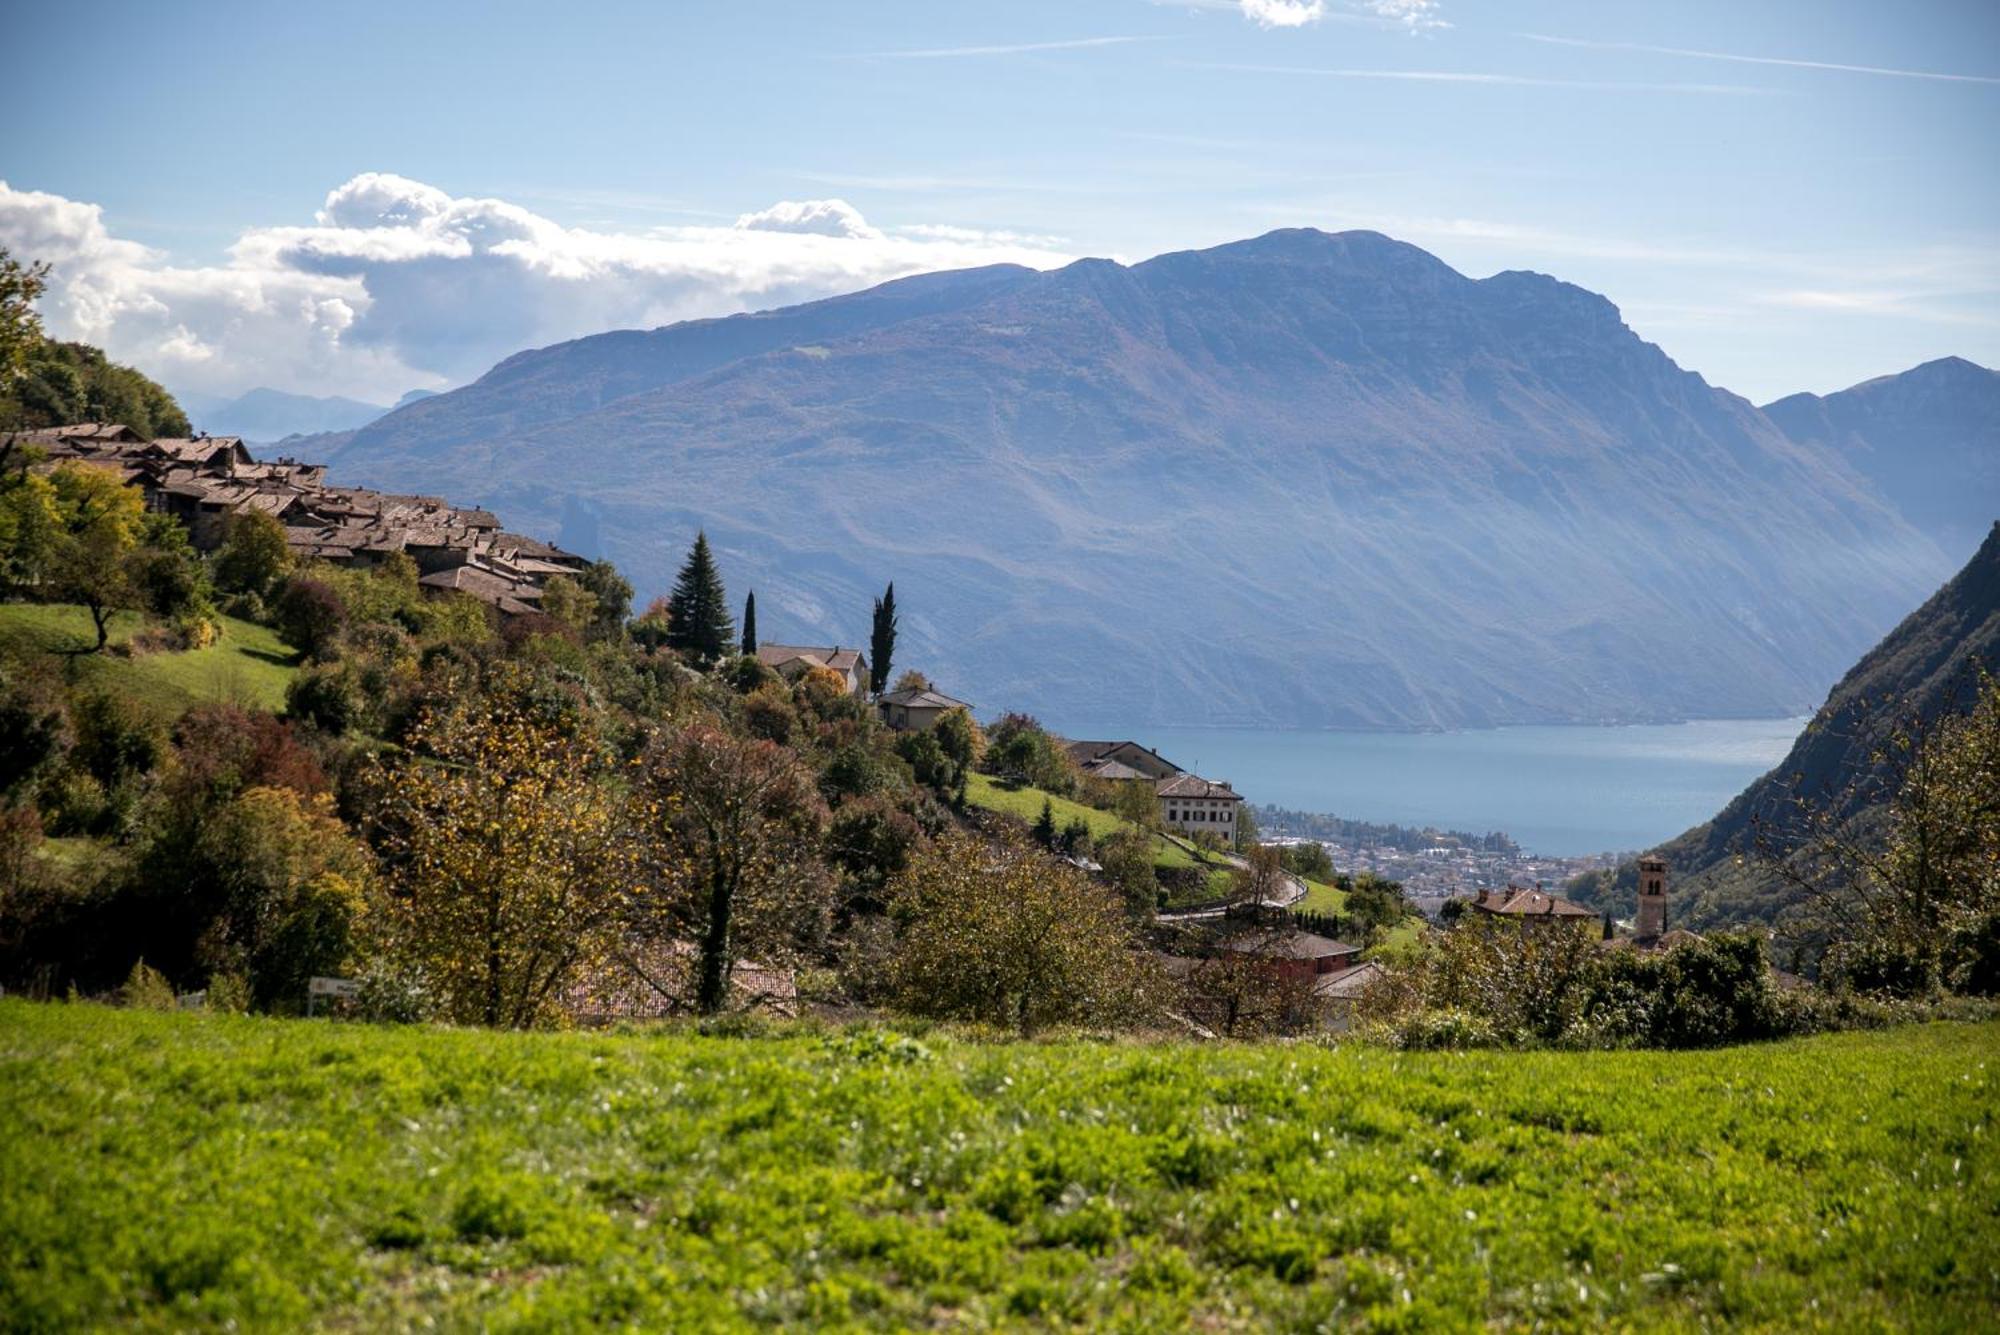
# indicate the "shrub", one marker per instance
pixel 147 989
pixel 309 615
pixel 325 697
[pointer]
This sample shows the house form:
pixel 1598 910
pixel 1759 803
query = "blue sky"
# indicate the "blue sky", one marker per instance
pixel 364 198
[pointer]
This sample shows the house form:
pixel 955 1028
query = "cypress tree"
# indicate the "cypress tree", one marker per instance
pixel 750 623
pixel 882 641
pixel 698 622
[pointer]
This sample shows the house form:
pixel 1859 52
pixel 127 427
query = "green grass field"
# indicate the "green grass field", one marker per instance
pixel 183 1171
pixel 983 790
pixel 249 664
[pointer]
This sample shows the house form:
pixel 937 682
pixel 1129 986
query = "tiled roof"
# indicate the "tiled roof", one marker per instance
pixel 920 697
pixel 1193 786
pixel 781 655
pixel 1526 902
pixel 1290 945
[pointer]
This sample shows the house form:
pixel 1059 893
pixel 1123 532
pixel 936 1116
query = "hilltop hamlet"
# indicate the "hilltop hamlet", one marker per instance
pixel 205 481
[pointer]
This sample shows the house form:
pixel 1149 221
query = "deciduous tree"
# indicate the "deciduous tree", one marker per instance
pixel 739 826
pixel 1004 934
pixel 512 859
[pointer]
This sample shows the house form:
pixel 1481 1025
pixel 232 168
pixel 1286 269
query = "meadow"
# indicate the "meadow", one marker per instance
pixel 248 664
pixel 195 1171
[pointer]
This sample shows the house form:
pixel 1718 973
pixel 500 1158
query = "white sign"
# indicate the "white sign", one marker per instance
pixel 333 987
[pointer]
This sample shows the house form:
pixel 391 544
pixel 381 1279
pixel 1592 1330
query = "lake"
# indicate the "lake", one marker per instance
pixel 1562 791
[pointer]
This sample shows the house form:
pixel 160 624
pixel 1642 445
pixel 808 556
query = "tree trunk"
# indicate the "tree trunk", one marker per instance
pixel 713 988
pixel 100 616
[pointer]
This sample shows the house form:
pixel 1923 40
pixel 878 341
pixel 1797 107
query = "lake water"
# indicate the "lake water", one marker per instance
pixel 1563 791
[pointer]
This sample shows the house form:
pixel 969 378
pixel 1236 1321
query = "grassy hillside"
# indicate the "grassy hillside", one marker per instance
pixel 1025 803
pixel 186 1171
pixel 249 664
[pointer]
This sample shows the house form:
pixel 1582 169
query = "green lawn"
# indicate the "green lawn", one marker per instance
pixel 249 664
pixel 174 1172
pixel 1026 803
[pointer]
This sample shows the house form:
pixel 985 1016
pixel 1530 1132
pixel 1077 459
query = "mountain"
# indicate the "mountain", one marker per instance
pixel 1928 439
pixel 1305 480
pixel 1926 667
pixel 414 396
pixel 270 414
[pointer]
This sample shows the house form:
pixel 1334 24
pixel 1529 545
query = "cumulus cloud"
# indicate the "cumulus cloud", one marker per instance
pixel 810 217
pixel 1283 13
pixel 397 284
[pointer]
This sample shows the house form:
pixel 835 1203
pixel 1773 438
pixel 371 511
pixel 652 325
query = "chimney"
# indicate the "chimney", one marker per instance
pixel 1652 921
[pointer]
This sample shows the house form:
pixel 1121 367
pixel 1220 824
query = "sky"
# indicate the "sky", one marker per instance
pixel 363 199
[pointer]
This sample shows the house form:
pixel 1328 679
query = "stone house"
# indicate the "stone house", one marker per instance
pixel 792 661
pixel 1191 804
pixel 916 708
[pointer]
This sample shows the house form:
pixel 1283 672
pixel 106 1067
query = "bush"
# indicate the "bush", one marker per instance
pixel 325 697
pixel 395 992
pixel 1432 1030
pixel 147 989
pixel 309 615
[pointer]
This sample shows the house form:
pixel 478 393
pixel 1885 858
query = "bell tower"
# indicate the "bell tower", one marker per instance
pixel 1652 921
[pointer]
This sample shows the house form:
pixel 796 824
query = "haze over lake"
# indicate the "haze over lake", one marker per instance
pixel 1563 791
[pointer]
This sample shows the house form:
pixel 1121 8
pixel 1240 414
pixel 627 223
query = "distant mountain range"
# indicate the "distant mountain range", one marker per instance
pixel 1928 666
pixel 1305 480
pixel 1928 440
pixel 271 414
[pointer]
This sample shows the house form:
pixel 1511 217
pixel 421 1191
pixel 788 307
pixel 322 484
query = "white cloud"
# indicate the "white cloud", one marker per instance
pixel 1284 13
pixel 397 284
pixel 1416 15
pixel 811 217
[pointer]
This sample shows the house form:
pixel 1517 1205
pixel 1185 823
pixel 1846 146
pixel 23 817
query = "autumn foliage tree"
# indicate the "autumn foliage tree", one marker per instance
pixel 512 860
pixel 1001 933
pixel 739 828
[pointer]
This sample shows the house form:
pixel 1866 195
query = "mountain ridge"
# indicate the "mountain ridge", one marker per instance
pixel 1307 479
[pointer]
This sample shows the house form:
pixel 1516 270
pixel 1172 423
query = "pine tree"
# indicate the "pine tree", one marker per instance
pixel 750 624
pixel 882 641
pixel 698 622
pixel 1045 825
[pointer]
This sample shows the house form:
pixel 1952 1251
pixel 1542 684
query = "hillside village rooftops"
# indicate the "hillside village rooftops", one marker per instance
pixel 205 480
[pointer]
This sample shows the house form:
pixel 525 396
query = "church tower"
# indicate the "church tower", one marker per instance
pixel 1652 922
